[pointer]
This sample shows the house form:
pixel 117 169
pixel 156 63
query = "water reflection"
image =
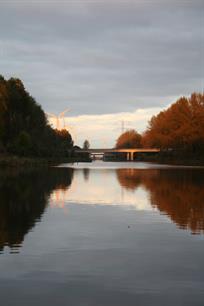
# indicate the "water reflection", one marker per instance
pixel 100 188
pixel 23 199
pixel 176 193
pixel 110 249
pixel 86 172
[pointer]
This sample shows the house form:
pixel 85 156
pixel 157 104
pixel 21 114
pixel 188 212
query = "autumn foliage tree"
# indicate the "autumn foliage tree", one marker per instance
pixel 129 139
pixel 180 127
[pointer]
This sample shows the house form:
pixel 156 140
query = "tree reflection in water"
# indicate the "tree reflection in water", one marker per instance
pixel 23 199
pixel 178 193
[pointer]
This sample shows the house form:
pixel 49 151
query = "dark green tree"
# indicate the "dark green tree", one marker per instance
pixel 24 129
pixel 86 145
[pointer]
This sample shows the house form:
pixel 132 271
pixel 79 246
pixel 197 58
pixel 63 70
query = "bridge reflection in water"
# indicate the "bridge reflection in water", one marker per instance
pixel 174 192
pixel 102 236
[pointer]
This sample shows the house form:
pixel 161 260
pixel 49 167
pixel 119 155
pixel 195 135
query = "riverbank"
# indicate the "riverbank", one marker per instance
pixel 172 158
pixel 16 161
pixel 176 158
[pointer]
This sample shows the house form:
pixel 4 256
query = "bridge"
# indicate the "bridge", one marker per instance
pixel 129 153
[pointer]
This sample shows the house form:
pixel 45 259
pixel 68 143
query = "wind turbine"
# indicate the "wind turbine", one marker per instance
pixel 58 117
pixel 69 128
pixel 61 115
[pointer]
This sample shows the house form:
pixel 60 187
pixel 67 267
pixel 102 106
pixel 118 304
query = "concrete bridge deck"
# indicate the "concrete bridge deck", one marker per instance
pixel 122 150
pixel 129 152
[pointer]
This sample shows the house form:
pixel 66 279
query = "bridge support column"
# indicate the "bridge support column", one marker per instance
pixel 128 156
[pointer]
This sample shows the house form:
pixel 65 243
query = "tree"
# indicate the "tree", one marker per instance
pixel 86 145
pixel 22 145
pixel 129 139
pixel 179 127
pixel 24 129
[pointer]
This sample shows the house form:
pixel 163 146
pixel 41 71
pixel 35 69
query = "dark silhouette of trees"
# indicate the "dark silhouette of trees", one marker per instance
pixel 24 129
pixel 86 145
pixel 129 139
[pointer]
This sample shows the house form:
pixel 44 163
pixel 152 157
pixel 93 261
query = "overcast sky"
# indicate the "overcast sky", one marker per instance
pixel 108 60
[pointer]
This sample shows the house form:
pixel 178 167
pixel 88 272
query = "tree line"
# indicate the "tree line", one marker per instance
pixel 24 128
pixel 180 127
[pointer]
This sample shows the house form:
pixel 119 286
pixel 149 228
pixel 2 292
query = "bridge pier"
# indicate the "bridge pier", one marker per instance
pixel 130 156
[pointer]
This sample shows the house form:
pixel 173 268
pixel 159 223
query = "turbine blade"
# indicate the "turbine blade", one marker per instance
pixel 51 115
pixel 62 113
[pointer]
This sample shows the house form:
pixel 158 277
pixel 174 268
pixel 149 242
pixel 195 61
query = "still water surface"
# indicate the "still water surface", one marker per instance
pixel 102 234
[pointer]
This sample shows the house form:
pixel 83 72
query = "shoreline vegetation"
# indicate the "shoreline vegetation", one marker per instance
pixel 175 158
pixel 177 131
pixel 12 161
pixel 165 158
pixel 168 158
pixel 27 139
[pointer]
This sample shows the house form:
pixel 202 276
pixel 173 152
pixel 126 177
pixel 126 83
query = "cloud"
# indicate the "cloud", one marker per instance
pixel 95 193
pixel 104 57
pixel 103 130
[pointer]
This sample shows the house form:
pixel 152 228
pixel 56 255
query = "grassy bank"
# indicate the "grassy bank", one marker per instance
pixel 16 161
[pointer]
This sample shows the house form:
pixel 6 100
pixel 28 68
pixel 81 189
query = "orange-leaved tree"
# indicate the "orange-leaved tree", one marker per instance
pixel 181 126
pixel 129 139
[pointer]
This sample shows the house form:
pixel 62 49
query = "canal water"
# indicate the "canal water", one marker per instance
pixel 102 234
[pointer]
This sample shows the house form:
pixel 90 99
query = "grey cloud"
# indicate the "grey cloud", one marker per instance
pixel 106 56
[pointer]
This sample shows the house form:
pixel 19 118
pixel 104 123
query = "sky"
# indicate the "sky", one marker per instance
pixel 107 61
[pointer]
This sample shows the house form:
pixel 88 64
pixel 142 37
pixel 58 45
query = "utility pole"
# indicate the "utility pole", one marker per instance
pixel 122 126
